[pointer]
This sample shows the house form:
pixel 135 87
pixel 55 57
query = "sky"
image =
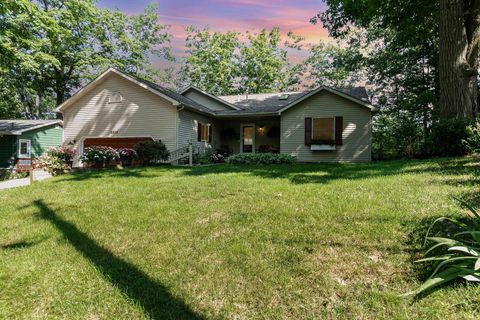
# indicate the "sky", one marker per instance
pixel 237 15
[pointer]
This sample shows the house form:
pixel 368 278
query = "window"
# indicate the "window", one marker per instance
pixel 115 97
pixel 323 131
pixel 24 148
pixel 204 132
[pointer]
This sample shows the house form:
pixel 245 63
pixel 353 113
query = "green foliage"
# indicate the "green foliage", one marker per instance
pixel 261 158
pixel 212 61
pixel 472 141
pixel 57 160
pixel 49 48
pixel 449 138
pixel 333 65
pixel 457 256
pixel 152 151
pixel 396 137
pixel 99 155
pixel 7 174
pixel 222 63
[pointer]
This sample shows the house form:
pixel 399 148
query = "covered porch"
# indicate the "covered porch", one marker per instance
pixel 250 135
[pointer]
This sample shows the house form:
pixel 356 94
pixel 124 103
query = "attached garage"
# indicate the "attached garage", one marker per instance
pixel 126 142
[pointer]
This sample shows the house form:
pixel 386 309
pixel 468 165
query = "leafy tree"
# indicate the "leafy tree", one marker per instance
pixel 221 63
pixel 212 61
pixel 333 65
pixel 51 47
pixel 262 62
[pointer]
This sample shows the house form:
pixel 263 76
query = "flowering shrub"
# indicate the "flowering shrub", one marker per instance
pixel 56 160
pixel 127 153
pixel 99 155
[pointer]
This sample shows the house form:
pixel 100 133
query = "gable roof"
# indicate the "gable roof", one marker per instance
pixel 17 127
pixel 276 103
pixel 172 96
pixel 216 98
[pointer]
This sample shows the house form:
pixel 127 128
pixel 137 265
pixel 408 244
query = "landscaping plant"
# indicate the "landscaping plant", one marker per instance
pixel 150 151
pixel 57 160
pixel 127 155
pixel 261 158
pixel 99 156
pixel 456 256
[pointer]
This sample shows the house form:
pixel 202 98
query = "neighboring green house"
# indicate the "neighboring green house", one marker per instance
pixel 27 139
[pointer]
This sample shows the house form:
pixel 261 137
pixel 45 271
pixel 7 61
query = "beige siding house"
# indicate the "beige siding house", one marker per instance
pixel 322 125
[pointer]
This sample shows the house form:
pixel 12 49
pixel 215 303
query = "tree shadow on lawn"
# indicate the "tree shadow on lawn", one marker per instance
pixel 81 175
pixel 325 173
pixel 154 297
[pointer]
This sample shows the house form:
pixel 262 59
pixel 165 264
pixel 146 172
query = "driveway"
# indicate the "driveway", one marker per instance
pixel 14 183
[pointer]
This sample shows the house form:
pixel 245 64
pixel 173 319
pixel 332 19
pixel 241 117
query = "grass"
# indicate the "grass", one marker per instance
pixel 268 242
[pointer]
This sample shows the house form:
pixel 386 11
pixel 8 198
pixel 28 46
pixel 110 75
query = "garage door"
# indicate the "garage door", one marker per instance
pixel 114 142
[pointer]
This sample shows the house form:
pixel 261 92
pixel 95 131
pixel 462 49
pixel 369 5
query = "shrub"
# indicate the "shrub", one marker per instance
pixel 56 160
pixel 472 141
pixel 456 257
pixel 8 174
pixel 152 151
pixel 448 137
pixel 260 158
pixel 99 155
pixel 127 155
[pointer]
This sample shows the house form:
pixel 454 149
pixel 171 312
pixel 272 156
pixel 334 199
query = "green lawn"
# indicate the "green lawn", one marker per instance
pixel 271 242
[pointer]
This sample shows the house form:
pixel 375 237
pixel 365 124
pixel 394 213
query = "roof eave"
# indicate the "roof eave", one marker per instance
pixel 321 88
pixel 211 96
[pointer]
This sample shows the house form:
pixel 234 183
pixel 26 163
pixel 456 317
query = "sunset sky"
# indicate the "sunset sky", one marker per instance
pixel 238 15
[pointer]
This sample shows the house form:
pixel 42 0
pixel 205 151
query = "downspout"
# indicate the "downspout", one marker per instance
pixel 178 124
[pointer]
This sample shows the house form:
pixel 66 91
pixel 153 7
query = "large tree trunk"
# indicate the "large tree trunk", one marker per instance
pixel 458 65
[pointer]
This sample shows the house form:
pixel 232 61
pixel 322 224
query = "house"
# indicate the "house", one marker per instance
pixel 27 139
pixel 321 125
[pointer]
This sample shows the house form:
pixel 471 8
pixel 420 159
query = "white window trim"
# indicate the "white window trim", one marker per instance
pixel 29 148
pixel 253 138
pixel 323 147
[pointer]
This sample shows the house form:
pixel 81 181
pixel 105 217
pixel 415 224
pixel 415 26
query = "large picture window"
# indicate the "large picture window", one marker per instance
pixel 323 131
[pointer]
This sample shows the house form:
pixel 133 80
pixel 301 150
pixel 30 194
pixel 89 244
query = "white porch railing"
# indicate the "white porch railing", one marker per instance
pixel 181 153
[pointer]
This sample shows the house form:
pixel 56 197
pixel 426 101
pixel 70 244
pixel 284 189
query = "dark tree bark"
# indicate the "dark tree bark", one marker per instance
pixel 459 61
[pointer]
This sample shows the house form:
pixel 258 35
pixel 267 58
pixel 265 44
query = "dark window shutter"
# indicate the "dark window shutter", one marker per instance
pixel 338 131
pixel 199 132
pixel 210 133
pixel 308 131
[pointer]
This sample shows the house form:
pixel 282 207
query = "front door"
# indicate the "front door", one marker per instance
pixel 248 138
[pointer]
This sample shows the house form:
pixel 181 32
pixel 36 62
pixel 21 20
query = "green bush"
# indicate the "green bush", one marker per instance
pixel 99 155
pixel 260 158
pixel 8 174
pixel 449 137
pixel 152 151
pixel 472 142
pixel 455 256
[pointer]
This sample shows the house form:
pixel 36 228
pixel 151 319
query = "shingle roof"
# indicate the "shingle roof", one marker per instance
pixel 274 102
pixel 187 102
pixel 14 127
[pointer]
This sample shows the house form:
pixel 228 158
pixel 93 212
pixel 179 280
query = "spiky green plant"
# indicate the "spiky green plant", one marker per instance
pixel 455 257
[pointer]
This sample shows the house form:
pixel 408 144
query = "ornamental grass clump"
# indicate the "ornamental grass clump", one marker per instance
pixel 457 256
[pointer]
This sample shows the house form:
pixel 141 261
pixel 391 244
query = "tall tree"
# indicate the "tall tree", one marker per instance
pixel 212 61
pixel 51 47
pixel 459 57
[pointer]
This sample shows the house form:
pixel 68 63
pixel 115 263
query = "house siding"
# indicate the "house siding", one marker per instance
pixel 140 114
pixel 206 100
pixel 357 131
pixel 42 139
pixel 188 128
pixel 7 150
